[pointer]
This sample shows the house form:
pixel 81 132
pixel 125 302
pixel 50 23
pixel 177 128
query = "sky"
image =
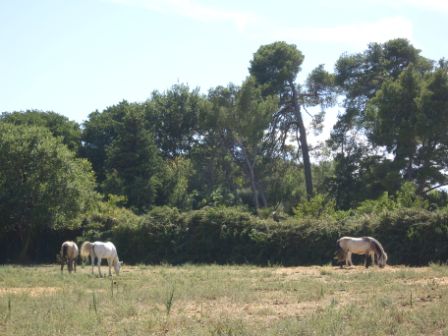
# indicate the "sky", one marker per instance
pixel 77 56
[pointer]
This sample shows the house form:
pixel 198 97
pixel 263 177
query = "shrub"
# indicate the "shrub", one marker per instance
pixel 232 235
pixel 221 235
pixel 414 236
pixel 410 235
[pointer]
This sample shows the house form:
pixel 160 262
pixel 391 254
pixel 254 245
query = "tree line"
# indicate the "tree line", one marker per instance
pixel 239 146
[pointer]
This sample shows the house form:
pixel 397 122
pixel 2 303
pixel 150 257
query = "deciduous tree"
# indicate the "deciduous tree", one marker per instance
pixel 42 184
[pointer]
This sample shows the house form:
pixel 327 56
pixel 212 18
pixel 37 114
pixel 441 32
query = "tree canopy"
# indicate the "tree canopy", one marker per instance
pixel 242 145
pixel 388 91
pixel 42 183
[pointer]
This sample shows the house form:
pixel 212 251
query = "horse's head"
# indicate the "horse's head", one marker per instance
pixel 117 266
pixel 382 260
pixel 340 255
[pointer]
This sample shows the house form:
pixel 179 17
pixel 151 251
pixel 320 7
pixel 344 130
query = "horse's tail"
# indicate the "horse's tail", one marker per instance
pixel 338 245
pixel 86 249
pixel 341 244
pixel 340 253
pixel 64 251
pixel 382 255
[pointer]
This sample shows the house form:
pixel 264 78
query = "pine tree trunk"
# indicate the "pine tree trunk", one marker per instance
pixel 303 144
pixel 253 184
pixel 257 194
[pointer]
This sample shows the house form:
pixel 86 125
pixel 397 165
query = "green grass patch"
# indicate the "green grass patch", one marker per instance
pixel 225 300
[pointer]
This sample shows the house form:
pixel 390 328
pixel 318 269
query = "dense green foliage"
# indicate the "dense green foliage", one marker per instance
pixel 394 126
pixel 42 185
pixel 66 130
pixel 227 176
pixel 229 235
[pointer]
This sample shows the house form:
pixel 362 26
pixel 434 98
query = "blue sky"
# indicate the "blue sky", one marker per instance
pixel 77 56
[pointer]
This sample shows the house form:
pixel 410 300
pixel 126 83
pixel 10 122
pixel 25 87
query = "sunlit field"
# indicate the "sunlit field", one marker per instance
pixel 224 300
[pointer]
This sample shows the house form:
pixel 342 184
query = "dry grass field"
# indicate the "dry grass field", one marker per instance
pixel 225 300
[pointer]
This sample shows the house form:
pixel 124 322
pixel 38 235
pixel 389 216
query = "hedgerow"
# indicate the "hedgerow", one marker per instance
pixel 230 235
pixel 411 236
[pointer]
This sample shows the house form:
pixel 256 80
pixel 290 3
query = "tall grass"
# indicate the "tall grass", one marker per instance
pixel 225 300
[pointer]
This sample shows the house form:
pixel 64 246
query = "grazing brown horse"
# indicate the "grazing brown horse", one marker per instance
pixel 367 246
pixel 69 253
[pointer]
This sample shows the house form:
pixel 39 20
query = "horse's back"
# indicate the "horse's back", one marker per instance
pixel 355 239
pixel 107 245
pixel 354 244
pixel 70 249
pixel 105 249
pixel 344 241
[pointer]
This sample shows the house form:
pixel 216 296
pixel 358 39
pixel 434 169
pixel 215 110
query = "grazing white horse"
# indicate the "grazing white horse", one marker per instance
pixel 364 246
pixel 101 250
pixel 68 254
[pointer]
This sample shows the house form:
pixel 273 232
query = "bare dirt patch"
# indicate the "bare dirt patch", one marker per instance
pixel 438 281
pixel 32 291
pixel 300 271
pixel 259 312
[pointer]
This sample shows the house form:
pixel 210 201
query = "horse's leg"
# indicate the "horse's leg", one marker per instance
pixel 372 254
pixel 349 259
pixel 62 264
pixel 343 259
pixel 74 264
pixel 99 267
pixel 109 262
pixel 69 265
pixel 92 258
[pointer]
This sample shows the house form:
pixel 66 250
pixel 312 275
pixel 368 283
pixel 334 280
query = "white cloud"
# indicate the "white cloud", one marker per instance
pixel 352 34
pixel 428 5
pixel 435 5
pixel 194 10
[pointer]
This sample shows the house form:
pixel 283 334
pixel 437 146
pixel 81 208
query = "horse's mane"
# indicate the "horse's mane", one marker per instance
pixel 379 248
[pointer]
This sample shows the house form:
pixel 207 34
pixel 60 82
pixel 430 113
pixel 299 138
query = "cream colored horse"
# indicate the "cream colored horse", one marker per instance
pixel 101 250
pixel 367 246
pixel 68 254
